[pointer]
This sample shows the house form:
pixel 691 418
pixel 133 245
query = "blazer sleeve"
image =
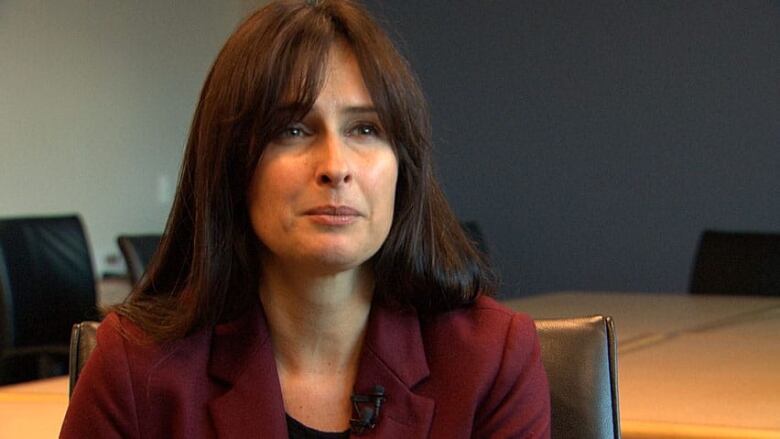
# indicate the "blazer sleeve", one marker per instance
pixel 518 405
pixel 103 402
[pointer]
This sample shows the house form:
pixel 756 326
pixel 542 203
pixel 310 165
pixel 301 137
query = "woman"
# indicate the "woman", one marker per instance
pixel 312 280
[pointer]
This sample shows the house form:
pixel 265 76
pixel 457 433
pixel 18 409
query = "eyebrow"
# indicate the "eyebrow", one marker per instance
pixel 360 109
pixel 353 109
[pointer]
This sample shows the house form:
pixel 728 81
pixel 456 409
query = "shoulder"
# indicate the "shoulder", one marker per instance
pixel 486 326
pixel 487 335
pixel 149 361
pixel 485 366
pixel 117 339
pixel 103 401
pixel 125 349
pixel 116 333
pixel 131 383
pixel 118 336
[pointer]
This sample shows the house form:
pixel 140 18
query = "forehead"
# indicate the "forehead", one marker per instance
pixel 343 83
pixel 335 78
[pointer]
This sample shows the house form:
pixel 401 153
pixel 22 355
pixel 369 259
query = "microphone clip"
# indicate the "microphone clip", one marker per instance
pixel 367 408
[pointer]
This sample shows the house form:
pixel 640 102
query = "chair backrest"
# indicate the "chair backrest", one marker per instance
pixel 138 250
pixel 46 280
pixel 579 356
pixel 83 339
pixel 737 263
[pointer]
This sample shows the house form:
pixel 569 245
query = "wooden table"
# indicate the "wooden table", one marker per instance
pixel 688 366
pixel 34 409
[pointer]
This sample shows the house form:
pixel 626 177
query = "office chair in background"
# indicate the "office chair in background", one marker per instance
pixel 138 251
pixel 46 285
pixel 737 263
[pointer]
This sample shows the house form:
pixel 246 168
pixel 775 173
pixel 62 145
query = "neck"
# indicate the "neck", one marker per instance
pixel 317 323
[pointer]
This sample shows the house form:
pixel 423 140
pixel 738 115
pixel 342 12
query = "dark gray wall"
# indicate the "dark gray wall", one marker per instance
pixel 595 140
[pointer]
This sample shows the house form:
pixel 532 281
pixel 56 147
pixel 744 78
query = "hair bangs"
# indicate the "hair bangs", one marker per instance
pixel 293 74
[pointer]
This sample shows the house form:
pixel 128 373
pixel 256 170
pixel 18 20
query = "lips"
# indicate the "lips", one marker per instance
pixel 333 216
pixel 333 211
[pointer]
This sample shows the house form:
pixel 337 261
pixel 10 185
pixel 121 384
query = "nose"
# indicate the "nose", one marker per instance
pixel 333 166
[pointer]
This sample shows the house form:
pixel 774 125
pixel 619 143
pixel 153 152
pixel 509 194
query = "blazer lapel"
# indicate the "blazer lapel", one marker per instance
pixel 394 357
pixel 242 360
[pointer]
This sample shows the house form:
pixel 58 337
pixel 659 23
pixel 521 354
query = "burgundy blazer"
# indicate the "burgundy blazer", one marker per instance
pixel 473 372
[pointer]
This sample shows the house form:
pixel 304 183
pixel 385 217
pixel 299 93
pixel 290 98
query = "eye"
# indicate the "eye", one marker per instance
pixel 365 129
pixel 292 131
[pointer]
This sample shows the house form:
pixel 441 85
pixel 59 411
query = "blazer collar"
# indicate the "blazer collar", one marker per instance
pixel 393 357
pixel 242 360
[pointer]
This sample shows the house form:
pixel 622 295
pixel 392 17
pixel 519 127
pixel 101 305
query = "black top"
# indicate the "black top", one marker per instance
pixel 300 431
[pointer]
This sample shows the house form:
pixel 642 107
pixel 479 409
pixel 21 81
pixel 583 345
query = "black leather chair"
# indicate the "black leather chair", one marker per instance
pixel 737 263
pixel 46 285
pixel 83 339
pixel 580 357
pixel 138 250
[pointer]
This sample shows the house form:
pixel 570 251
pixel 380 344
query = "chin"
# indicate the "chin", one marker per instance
pixel 335 260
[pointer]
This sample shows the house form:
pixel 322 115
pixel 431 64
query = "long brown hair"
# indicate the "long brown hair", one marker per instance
pixel 207 267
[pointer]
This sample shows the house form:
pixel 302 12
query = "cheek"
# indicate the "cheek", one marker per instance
pixel 274 181
pixel 255 207
pixel 384 180
pixel 266 198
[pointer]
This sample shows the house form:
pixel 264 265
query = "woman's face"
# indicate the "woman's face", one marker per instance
pixel 323 194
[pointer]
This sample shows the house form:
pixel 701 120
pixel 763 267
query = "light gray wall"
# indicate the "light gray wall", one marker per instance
pixel 595 140
pixel 95 102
